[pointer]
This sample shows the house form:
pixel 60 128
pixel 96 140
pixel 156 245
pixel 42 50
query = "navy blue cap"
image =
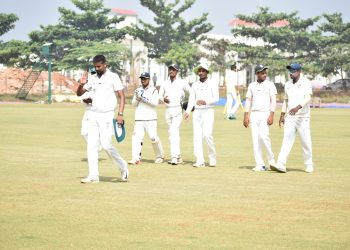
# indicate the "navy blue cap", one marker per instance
pixel 294 67
pixel 174 66
pixel 259 68
pixel 145 75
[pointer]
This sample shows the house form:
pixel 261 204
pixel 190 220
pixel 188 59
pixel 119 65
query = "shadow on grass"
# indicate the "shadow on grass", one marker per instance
pixel 110 179
pixel 166 162
pixel 288 169
pixel 99 159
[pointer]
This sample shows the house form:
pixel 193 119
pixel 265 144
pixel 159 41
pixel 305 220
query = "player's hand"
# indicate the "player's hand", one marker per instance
pixel 281 122
pixel 246 121
pixel 84 78
pixel 187 117
pixel 270 120
pixel 120 119
pixel 166 100
pixel 201 102
pixel 138 98
pixel 293 111
pixel 87 100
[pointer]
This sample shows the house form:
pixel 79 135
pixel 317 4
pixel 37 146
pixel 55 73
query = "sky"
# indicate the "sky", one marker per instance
pixel 33 13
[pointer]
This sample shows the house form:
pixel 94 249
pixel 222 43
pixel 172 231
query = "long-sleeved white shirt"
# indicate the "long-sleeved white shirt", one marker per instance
pixel 175 92
pixel 207 91
pixel 146 108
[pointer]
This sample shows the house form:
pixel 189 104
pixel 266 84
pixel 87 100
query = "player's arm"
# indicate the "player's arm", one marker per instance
pixel 246 119
pixel 121 97
pixel 191 100
pixel 283 113
pixel 82 81
pixel 272 109
pixel 153 100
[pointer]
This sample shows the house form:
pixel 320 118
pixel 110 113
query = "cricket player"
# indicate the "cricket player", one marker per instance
pixel 145 100
pixel 104 86
pixel 295 116
pixel 172 93
pixel 231 96
pixel 259 113
pixel 206 94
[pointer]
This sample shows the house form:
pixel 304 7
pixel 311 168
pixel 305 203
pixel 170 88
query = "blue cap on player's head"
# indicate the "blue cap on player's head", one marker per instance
pixel 174 66
pixel 259 68
pixel 145 75
pixel 293 67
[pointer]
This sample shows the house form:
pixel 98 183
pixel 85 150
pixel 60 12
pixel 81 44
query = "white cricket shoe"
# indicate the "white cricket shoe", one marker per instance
pixel 309 169
pixel 278 168
pixel 134 162
pixel 212 164
pixel 159 160
pixel 125 175
pixel 260 169
pixel 90 180
pixel 198 165
pixel 178 161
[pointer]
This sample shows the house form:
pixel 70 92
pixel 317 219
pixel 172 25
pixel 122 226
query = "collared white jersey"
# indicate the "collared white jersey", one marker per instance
pixel 207 91
pixel 103 91
pixel 146 109
pixel 175 91
pixel 260 95
pixel 294 95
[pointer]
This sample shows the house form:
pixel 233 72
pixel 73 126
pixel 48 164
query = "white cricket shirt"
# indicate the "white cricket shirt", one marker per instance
pixel 103 91
pixel 207 91
pixel 294 95
pixel 175 91
pixel 146 109
pixel 260 95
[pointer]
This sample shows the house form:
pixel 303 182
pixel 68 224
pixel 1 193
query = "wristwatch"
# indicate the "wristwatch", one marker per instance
pixel 120 113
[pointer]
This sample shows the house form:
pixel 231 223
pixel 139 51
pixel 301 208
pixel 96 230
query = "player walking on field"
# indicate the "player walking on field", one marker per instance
pixel 206 94
pixel 296 118
pixel 172 93
pixel 145 100
pixel 104 86
pixel 259 113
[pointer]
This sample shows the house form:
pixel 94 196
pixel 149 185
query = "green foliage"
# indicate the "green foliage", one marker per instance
pixel 7 22
pixel 336 45
pixel 80 58
pixel 296 41
pixel 186 55
pixel 77 33
pixel 170 27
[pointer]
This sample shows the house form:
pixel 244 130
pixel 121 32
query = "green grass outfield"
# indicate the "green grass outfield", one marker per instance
pixel 44 206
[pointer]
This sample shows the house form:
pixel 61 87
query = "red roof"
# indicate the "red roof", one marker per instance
pixel 239 22
pixel 124 12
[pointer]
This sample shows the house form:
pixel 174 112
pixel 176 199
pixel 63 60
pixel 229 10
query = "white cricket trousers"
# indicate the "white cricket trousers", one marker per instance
pixel 85 125
pixel 261 138
pixel 203 122
pixel 293 125
pixel 100 133
pixel 139 132
pixel 173 117
pixel 229 109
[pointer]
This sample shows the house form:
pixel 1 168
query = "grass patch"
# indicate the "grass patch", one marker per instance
pixel 43 205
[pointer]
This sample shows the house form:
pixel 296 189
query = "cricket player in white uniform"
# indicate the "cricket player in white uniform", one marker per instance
pixel 296 119
pixel 231 96
pixel 104 86
pixel 259 113
pixel 206 94
pixel 145 100
pixel 172 93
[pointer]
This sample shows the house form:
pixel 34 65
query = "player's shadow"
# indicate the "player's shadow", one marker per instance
pixel 110 179
pixel 99 159
pixel 288 169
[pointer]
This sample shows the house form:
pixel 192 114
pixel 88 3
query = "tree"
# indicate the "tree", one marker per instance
pixel 170 28
pixel 335 57
pixel 7 22
pixel 278 45
pixel 185 55
pixel 79 32
pixel 219 54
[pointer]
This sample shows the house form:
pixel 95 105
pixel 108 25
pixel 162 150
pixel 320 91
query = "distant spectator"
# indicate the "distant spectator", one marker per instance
pixel 154 79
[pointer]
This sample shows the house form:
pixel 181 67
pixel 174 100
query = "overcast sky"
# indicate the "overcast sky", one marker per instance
pixel 33 13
